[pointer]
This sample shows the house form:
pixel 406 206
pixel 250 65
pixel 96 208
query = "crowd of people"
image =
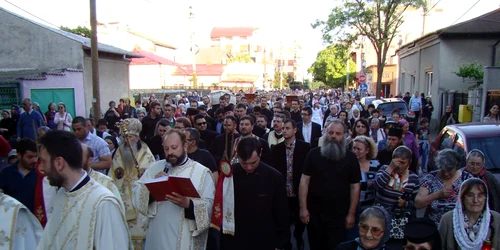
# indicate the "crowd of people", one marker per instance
pixel 259 163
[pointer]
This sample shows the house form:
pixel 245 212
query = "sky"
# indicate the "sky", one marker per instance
pixel 284 20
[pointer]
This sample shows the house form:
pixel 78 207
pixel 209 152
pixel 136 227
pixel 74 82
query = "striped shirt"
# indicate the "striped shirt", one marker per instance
pixel 388 197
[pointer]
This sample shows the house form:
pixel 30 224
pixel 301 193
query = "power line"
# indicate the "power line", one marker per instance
pixel 460 17
pixel 31 14
pixel 432 7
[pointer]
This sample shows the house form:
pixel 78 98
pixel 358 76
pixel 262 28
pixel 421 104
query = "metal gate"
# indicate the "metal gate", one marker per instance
pixel 9 94
pixel 459 99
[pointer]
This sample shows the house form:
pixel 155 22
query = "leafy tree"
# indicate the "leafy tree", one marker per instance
pixel 377 20
pixel 80 30
pixel 331 65
pixel 284 80
pixel 316 85
pixel 242 58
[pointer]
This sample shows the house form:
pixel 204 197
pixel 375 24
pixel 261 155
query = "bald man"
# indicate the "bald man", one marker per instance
pixel 88 158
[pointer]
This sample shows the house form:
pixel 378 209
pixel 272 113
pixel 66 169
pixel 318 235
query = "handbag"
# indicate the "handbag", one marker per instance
pixel 400 217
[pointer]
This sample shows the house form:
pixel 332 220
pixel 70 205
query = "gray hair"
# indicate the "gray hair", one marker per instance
pixel 402 152
pixel 373 212
pixel 475 153
pixel 339 122
pixel 447 159
pixel 375 120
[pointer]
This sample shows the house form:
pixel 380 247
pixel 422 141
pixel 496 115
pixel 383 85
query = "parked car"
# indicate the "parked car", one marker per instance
pixel 465 137
pixel 367 100
pixel 387 105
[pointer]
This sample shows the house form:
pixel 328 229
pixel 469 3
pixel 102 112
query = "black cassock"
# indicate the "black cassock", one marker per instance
pixel 260 210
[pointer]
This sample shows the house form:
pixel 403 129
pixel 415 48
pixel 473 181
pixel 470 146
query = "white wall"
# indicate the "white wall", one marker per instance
pixel 71 80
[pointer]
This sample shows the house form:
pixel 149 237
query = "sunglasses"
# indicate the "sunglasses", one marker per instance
pixel 363 228
pixel 201 123
pixel 61 107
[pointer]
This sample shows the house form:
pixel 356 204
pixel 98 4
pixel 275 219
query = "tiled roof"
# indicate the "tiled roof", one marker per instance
pixel 201 70
pixel 83 40
pixel 151 58
pixel 218 32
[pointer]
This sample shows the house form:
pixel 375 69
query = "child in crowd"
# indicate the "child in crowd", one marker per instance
pixel 423 134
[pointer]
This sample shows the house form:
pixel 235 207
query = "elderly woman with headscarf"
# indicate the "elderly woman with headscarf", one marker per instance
pixel 439 189
pixel 475 166
pixel 396 188
pixel 471 224
pixel 374 227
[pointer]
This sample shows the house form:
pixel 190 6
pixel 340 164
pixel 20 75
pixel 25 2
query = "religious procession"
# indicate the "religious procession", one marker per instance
pixel 297 169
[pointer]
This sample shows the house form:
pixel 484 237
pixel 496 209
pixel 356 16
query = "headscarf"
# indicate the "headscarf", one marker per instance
pixel 459 231
pixel 387 229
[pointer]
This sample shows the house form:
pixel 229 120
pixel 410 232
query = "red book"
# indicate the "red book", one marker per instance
pixel 164 185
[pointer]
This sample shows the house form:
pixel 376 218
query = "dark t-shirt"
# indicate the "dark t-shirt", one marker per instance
pixel 21 188
pixel 329 187
pixel 204 157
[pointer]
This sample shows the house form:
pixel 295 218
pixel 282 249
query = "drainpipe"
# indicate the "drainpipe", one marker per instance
pixel 494 54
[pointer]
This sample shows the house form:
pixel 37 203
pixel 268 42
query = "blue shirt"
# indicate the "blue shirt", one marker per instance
pixel 415 103
pixel 20 187
pixel 28 124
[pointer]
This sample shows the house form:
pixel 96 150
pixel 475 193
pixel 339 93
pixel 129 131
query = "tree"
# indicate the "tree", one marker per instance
pixel 242 58
pixel 80 30
pixel 377 20
pixel 331 65
pixel 284 80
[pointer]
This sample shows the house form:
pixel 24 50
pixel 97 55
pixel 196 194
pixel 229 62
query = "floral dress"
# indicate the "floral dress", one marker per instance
pixel 439 207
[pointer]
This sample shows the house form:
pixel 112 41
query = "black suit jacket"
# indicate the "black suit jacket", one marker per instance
pixel 208 136
pixel 218 145
pixel 299 155
pixel 258 131
pixel 315 131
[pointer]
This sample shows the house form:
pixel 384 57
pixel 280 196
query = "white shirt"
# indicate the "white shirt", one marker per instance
pixel 306 132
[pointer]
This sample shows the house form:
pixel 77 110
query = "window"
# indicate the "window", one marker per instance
pixel 458 146
pixel 445 140
pixel 402 82
pixel 429 77
pixel 412 82
pixel 489 146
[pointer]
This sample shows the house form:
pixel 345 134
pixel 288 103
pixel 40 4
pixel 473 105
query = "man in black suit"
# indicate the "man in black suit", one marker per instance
pixel 307 130
pixel 201 124
pixel 222 145
pixel 288 159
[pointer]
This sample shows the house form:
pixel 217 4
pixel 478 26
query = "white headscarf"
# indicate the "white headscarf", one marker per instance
pixel 459 231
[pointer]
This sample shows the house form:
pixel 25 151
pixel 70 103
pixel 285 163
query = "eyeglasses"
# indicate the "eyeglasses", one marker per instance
pixel 201 123
pixel 363 228
pixel 471 196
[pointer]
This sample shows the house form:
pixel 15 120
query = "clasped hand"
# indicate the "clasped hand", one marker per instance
pixel 177 199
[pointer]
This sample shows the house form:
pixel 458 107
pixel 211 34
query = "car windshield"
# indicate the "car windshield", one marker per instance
pixel 387 108
pixel 489 146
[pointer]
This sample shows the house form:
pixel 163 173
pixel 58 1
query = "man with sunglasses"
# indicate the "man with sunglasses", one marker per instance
pixel 200 123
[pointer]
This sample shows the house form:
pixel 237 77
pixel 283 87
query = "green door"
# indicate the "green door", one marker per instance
pixel 46 96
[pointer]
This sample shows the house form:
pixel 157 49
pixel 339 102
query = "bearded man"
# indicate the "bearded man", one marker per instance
pixel 131 152
pixel 179 222
pixel 329 189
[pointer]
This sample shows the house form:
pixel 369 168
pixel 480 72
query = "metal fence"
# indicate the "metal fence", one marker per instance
pixel 9 94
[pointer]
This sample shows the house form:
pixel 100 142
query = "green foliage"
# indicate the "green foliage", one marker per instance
pixel 377 20
pixel 330 66
pixel 285 79
pixel 473 71
pixel 80 30
pixel 241 58
pixel 316 85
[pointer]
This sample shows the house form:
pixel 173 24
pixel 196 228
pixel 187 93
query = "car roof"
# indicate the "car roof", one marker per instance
pixel 476 129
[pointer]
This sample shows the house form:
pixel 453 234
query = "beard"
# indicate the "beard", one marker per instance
pixel 333 150
pixel 55 179
pixel 175 160
pixel 128 158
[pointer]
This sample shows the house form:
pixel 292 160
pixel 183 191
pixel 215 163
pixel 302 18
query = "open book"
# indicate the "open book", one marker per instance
pixel 164 185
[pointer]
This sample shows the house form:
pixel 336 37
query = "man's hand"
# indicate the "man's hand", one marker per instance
pixel 304 216
pixel 160 174
pixel 349 221
pixel 178 200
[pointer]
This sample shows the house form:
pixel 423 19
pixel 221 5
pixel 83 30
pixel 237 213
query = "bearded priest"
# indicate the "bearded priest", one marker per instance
pixel 179 222
pixel 131 160
pixel 86 215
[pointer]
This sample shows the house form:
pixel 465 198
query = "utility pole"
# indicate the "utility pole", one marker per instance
pixel 193 50
pixel 95 62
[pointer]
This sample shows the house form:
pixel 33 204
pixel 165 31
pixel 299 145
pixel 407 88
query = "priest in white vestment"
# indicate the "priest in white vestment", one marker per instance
pixel 125 173
pixel 179 222
pixel 19 228
pixel 85 215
